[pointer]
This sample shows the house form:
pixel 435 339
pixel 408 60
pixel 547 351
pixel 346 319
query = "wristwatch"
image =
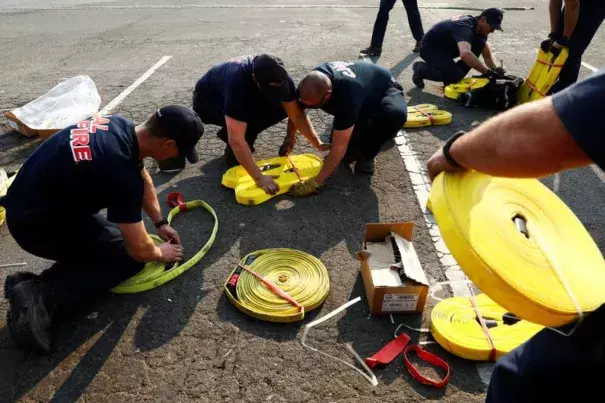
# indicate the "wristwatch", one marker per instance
pixel 158 224
pixel 446 149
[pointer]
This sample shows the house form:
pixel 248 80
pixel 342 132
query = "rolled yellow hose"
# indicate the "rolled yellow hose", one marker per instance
pixel 426 115
pixel 155 274
pixel 302 276
pixel 5 183
pixel 280 168
pixel 536 276
pixel 453 91
pixel 455 327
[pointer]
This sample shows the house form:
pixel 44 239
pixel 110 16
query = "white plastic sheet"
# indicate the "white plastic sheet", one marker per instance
pixel 67 103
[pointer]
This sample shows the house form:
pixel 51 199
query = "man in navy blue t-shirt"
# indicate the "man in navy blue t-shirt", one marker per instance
pixel 53 205
pixel 368 106
pixel 462 36
pixel 534 140
pixel 245 96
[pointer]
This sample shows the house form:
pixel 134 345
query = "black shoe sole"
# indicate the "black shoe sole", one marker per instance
pixel 29 321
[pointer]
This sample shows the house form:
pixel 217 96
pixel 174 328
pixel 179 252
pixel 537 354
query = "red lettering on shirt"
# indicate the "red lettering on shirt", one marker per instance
pixel 80 137
pixel 81 153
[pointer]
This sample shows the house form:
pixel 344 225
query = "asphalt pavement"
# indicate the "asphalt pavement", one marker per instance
pixel 184 341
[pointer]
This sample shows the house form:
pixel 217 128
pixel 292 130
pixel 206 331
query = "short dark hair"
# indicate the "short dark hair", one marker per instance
pixel 155 128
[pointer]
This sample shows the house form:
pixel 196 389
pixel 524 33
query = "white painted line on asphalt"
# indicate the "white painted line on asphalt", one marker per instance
pixel 589 66
pixel 422 187
pixel 556 183
pixel 598 171
pixel 117 100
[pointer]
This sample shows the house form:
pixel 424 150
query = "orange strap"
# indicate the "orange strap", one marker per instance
pixel 295 169
pixel 549 64
pixel 274 289
pixel 427 114
pixel 533 87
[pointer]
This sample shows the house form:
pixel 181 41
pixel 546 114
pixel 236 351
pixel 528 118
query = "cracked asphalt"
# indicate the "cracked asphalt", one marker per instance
pixel 184 341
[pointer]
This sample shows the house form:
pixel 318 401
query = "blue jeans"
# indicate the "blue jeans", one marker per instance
pixel 551 367
pixel 382 19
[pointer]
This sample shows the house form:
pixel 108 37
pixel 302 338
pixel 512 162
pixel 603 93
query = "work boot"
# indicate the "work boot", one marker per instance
pixel 364 166
pixel 30 314
pixel 171 165
pixel 417 47
pixel 15 279
pixel 371 51
pixel 417 77
pixel 230 158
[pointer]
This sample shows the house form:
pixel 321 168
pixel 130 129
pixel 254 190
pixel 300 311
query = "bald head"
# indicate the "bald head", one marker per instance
pixel 313 88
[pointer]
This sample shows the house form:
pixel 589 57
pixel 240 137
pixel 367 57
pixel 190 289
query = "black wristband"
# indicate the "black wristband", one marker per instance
pixel 158 224
pixel 446 149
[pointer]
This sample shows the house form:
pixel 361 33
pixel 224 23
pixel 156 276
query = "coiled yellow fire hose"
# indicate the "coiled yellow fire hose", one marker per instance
pixel 5 183
pixel 542 76
pixel 521 245
pixel 453 91
pixel 455 326
pixel 286 171
pixel 426 115
pixel 278 285
pixel 155 274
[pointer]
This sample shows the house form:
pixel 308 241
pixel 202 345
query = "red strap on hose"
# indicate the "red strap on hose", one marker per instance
pixel 431 359
pixel 175 199
pixel 470 86
pixel 389 352
pixel 427 114
pixel 274 289
pixel 549 64
pixel 533 87
pixel 295 169
pixel 400 345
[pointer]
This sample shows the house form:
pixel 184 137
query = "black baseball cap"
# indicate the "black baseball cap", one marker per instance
pixel 184 126
pixel 271 76
pixel 494 17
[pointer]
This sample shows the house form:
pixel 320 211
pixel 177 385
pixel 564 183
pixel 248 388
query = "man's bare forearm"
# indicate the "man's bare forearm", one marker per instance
pixel 554 9
pixel 151 204
pixel 473 62
pixel 572 13
pixel 527 141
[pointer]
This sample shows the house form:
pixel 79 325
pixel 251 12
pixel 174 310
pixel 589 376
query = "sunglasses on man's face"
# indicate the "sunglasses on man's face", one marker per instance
pixel 321 101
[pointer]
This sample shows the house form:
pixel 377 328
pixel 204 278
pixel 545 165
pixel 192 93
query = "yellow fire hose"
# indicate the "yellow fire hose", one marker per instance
pixel 278 285
pixel 426 115
pixel 155 274
pixel 286 171
pixel 456 327
pixel 453 91
pixel 5 182
pixel 521 245
pixel 542 76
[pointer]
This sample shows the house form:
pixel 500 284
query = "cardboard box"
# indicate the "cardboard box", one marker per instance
pixel 411 295
pixel 25 130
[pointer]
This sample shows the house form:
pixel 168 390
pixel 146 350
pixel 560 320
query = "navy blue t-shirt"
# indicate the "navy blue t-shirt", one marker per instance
pixel 357 89
pixel 230 87
pixel 446 34
pixel 79 171
pixel 579 107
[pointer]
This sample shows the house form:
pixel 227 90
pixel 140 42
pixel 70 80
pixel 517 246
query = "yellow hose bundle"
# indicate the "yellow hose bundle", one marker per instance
pixel 246 191
pixel 426 115
pixel 520 244
pixel 455 326
pixel 453 91
pixel 155 274
pixel 302 276
pixel 5 183
pixel 542 76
